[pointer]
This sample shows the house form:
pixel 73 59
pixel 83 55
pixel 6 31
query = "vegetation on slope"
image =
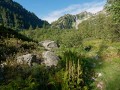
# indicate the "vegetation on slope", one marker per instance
pixel 69 21
pixel 113 7
pixel 90 57
pixel 14 76
pixel 13 15
pixel 12 42
pixel 96 46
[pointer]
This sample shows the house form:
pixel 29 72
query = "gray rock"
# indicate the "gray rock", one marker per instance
pixel 99 74
pixel 26 59
pixel 48 44
pixel 50 59
pixel 96 57
pixel 100 85
pixel 3 64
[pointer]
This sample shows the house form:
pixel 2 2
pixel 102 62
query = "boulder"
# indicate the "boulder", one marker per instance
pixel 99 74
pixel 3 64
pixel 100 85
pixel 26 59
pixel 50 59
pixel 96 57
pixel 48 44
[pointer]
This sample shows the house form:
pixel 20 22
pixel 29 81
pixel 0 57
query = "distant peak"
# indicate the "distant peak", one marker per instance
pixel 69 21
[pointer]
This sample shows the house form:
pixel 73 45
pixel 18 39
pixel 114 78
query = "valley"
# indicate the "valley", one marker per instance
pixel 75 52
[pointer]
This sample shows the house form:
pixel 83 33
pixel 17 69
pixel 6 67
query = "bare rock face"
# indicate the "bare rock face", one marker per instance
pixel 50 59
pixel 26 59
pixel 48 44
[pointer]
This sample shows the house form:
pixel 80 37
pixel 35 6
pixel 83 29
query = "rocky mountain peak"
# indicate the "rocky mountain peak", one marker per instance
pixel 69 21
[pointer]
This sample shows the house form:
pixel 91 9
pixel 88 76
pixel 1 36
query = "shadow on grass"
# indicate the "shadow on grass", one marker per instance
pixel 9 33
pixel 88 64
pixel 6 51
pixel 9 50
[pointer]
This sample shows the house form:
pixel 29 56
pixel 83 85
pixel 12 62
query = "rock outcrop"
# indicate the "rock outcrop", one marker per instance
pixel 69 21
pixel 50 59
pixel 48 45
pixel 26 59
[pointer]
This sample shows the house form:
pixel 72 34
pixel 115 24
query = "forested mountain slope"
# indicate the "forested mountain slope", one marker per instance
pixel 89 58
pixel 12 42
pixel 14 15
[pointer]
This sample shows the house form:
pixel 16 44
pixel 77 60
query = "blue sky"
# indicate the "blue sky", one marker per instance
pixel 51 10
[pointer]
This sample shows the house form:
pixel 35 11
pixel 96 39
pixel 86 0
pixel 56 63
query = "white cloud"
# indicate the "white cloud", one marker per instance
pixel 92 7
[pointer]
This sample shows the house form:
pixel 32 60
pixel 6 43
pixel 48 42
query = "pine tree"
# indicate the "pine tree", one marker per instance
pixel 30 28
pixel 15 16
pixel 4 17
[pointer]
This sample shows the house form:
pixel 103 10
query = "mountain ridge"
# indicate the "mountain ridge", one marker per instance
pixel 69 21
pixel 13 15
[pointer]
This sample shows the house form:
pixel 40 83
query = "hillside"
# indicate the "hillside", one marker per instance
pixel 60 57
pixel 96 44
pixel 71 21
pixel 13 15
pixel 12 45
pixel 12 42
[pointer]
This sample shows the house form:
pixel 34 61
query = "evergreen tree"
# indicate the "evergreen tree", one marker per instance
pixel 13 15
pixel 30 28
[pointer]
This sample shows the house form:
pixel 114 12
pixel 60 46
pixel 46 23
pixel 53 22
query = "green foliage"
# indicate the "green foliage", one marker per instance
pixel 73 77
pixel 12 42
pixel 113 7
pixel 80 50
pixel 24 78
pixel 75 65
pixel 19 83
pixel 13 15
pixel 71 39
pixel 10 33
pixel 66 38
pixel 97 27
